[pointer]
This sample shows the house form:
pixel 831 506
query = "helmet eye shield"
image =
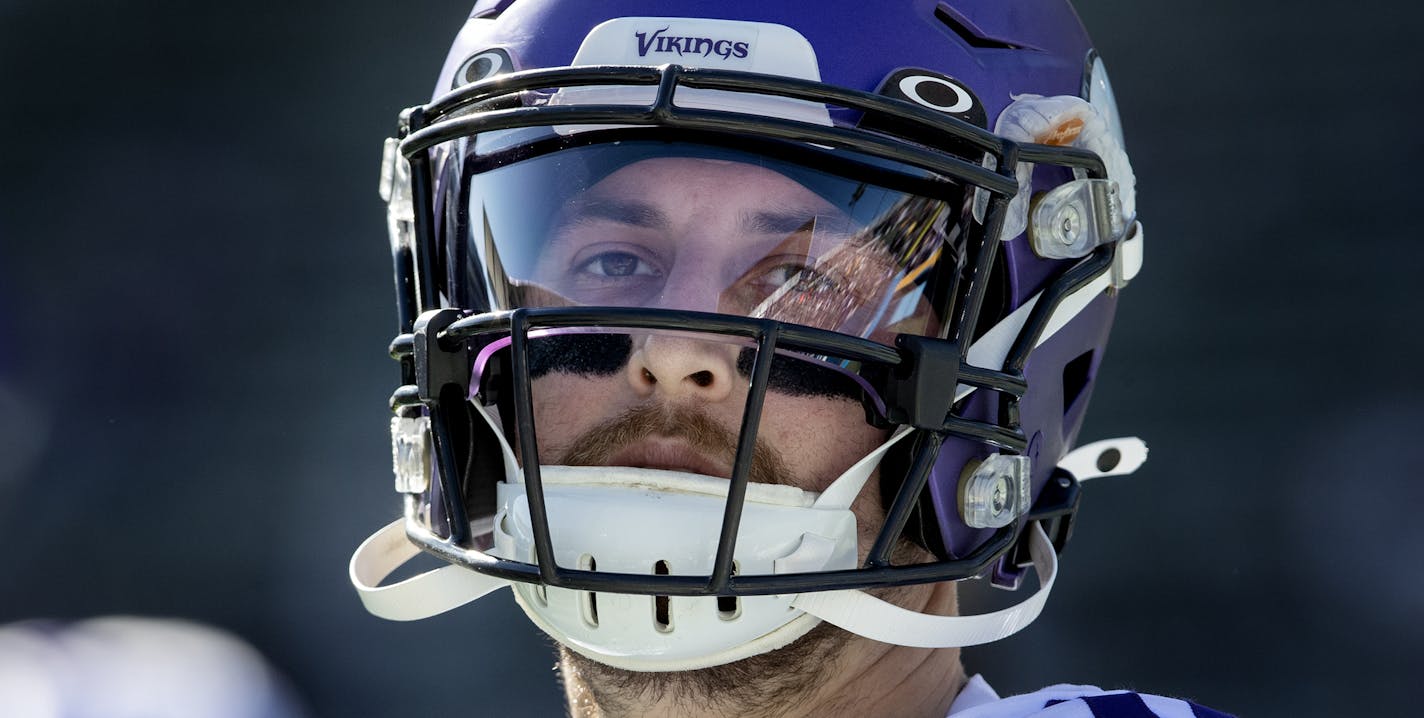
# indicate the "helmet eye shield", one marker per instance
pixel 701 227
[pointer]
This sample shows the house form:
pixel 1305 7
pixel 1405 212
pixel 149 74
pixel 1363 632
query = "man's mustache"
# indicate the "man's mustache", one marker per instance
pixel 699 431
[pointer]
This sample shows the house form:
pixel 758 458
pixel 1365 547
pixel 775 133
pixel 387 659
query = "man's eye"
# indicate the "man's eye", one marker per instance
pixel 781 274
pixel 798 278
pixel 617 264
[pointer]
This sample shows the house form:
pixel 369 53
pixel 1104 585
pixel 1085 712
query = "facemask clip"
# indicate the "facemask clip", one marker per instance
pixel 394 188
pixel 997 493
pixel 410 453
pixel 1075 218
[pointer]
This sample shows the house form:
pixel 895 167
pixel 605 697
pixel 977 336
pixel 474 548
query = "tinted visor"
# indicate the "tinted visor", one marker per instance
pixel 825 239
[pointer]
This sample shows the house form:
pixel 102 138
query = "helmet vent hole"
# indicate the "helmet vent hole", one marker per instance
pixel 589 599
pixel 945 14
pixel 730 607
pixel 1076 376
pixel 662 605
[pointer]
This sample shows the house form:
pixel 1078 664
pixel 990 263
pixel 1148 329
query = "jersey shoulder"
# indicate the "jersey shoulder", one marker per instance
pixel 978 700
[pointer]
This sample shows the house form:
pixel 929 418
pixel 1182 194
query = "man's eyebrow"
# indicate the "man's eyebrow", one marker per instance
pixel 774 222
pixel 630 212
pixel 766 222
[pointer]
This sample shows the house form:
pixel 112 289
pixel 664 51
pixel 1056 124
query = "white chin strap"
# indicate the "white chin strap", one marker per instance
pixel 858 612
pixel 627 631
pixel 865 615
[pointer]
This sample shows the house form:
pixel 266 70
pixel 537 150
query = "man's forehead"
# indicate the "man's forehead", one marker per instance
pixel 732 184
pixel 761 218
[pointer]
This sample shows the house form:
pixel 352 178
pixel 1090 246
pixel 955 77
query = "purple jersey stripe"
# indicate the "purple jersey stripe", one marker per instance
pixel 1118 705
pixel 1204 712
pixel 1130 705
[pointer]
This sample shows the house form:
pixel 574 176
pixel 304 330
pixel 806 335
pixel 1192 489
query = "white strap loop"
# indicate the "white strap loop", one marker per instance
pixel 868 616
pixel 1109 457
pixel 428 594
pixel 512 472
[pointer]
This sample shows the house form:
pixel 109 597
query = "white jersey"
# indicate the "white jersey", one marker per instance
pixel 978 700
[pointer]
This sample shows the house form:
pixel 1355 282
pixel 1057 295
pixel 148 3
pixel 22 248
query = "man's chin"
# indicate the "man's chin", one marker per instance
pixel 766 684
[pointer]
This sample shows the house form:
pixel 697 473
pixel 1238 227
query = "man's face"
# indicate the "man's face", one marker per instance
pixel 736 238
pixel 703 235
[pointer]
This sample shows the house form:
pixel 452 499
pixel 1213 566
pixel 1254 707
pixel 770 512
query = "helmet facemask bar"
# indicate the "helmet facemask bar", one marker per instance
pixel 439 343
pixel 768 337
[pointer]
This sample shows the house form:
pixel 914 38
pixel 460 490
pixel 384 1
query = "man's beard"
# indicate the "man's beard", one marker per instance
pixel 771 682
pixel 767 684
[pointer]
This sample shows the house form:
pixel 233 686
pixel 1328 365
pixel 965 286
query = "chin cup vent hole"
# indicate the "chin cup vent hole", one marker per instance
pixel 729 608
pixel 662 605
pixel 589 601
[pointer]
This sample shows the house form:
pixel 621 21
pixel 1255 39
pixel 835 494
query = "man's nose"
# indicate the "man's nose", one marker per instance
pixel 678 367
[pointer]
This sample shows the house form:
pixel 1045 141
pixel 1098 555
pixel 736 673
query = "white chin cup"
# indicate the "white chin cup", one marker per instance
pixel 644 521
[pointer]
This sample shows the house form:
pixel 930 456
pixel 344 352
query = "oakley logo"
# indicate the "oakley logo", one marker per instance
pixel 484 65
pixel 936 93
pixel 698 46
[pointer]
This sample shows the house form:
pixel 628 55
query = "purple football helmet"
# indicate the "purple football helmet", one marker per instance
pixel 915 213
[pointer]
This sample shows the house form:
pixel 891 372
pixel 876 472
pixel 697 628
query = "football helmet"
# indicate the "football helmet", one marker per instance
pixel 920 213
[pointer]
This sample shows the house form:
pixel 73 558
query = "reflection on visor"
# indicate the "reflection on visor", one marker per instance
pixel 694 227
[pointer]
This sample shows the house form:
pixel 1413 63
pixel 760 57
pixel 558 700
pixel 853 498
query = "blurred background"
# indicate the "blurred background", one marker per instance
pixel 195 303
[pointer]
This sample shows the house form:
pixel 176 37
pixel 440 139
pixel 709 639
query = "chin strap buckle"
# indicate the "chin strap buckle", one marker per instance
pixel 1057 504
pixel 1054 512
